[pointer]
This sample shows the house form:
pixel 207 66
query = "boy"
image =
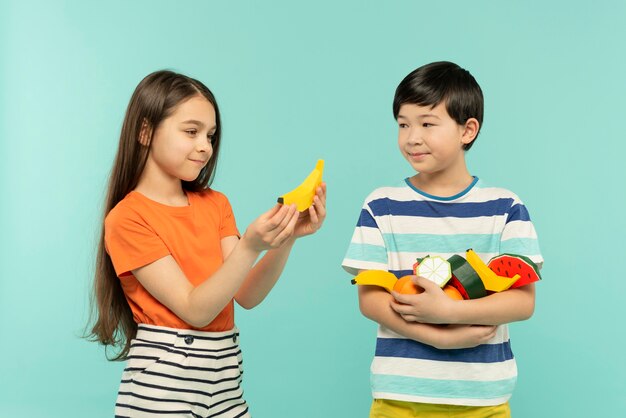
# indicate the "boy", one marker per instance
pixel 421 368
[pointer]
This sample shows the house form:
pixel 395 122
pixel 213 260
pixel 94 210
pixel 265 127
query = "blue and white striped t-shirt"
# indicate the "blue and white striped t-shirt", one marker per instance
pixel 401 223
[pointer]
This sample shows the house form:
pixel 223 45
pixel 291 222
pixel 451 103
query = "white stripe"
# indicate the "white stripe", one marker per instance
pixel 445 401
pixel 519 229
pixel 405 260
pixel 444 370
pixel 478 193
pixel 353 266
pixel 364 235
pixel 440 226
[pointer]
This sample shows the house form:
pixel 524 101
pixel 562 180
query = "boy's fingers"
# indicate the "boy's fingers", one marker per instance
pixel 400 308
pixel 403 298
pixel 425 283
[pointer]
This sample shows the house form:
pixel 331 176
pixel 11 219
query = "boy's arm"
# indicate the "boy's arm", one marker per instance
pixel 375 304
pixel 433 306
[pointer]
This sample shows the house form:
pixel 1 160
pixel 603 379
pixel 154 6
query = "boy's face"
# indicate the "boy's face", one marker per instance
pixel 430 140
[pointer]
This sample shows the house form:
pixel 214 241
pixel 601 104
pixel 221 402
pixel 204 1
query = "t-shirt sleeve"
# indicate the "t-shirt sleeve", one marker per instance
pixel 130 242
pixel 519 235
pixel 228 226
pixel 367 250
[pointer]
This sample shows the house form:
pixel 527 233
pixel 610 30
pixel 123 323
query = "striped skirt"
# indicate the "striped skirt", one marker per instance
pixel 182 373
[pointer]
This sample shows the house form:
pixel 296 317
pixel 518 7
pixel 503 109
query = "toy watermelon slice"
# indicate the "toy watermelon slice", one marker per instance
pixel 511 264
pixel 465 279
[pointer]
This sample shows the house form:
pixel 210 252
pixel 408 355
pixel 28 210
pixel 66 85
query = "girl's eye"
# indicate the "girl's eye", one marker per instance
pixel 211 138
pixel 191 132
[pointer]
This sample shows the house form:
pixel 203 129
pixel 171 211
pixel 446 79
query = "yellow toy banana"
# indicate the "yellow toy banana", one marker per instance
pixel 491 280
pixel 303 195
pixel 380 278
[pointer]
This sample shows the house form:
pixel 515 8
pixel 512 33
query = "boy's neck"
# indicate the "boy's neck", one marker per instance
pixel 440 184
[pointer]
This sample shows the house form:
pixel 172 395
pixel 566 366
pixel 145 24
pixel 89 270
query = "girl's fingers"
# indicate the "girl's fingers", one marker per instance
pixel 273 211
pixel 320 207
pixel 321 192
pixel 280 218
pixel 313 213
pixel 287 231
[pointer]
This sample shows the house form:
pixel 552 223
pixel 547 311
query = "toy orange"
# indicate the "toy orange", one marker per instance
pixel 406 286
pixel 453 292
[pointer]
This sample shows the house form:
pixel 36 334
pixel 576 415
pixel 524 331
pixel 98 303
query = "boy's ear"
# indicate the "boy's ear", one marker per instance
pixel 145 134
pixel 470 131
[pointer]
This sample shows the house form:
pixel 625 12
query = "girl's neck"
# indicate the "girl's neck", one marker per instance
pixel 168 191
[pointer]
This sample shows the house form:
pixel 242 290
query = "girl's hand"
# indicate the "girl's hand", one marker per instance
pixel 464 336
pixel 271 229
pixel 312 220
pixel 432 306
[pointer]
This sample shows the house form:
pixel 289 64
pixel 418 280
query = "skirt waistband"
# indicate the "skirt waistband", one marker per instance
pixel 187 338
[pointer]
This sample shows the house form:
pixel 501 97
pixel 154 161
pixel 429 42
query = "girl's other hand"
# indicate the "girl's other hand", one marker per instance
pixel 271 229
pixel 312 219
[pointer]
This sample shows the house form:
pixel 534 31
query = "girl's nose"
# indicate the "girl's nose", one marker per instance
pixel 204 145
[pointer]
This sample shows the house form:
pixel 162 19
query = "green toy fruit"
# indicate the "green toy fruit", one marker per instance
pixel 511 264
pixel 465 279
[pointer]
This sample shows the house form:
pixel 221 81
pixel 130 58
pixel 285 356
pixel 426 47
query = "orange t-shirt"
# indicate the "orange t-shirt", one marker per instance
pixel 139 231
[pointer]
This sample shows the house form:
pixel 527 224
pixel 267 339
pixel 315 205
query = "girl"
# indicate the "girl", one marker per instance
pixel 170 260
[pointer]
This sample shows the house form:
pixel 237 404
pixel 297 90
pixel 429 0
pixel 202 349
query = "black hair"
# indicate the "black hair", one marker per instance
pixel 438 82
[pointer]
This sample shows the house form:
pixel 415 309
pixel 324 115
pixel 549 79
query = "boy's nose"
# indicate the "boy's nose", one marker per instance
pixel 415 138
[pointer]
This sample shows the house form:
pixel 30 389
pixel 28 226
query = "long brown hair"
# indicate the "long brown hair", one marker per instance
pixel 155 98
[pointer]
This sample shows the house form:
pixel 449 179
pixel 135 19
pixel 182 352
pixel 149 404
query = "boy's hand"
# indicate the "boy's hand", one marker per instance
pixel 465 336
pixel 312 219
pixel 432 306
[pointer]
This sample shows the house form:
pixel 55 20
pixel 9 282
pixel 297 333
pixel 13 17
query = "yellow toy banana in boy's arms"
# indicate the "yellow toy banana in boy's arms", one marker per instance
pixel 303 195
pixel 491 280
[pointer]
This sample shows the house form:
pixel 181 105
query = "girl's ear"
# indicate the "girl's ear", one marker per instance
pixel 470 131
pixel 145 134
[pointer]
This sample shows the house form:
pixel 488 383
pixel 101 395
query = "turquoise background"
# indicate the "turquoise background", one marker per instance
pixel 296 82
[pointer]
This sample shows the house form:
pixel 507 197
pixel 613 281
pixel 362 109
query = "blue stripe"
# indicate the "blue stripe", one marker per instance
pixel 367 252
pixel 401 273
pixel 485 353
pixel 442 388
pixel 518 213
pixel 434 243
pixel 365 219
pixel 386 206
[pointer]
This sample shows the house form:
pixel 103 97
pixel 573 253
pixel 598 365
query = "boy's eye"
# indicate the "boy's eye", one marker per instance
pixel 403 125
pixel 427 125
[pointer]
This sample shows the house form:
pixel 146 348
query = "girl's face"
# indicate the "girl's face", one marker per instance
pixel 181 144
